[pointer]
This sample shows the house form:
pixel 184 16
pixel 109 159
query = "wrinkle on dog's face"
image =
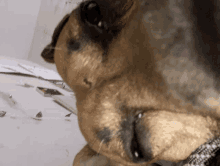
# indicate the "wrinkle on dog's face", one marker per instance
pixel 124 109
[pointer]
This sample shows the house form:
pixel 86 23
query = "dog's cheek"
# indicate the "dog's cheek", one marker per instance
pixel 60 64
pixel 62 54
pixel 174 136
pixel 100 126
pixel 77 59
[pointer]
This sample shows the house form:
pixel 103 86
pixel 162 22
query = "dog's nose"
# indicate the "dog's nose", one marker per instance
pixel 136 140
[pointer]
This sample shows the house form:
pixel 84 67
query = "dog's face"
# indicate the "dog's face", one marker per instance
pixel 125 109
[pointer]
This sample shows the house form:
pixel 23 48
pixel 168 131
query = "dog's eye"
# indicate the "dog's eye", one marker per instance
pixel 93 14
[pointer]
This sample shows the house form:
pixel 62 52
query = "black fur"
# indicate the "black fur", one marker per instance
pixel 48 52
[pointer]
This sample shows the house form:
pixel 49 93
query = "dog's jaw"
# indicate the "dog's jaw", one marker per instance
pixel 179 134
pixel 169 134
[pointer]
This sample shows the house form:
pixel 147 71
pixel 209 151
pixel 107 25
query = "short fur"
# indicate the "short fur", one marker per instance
pixel 136 105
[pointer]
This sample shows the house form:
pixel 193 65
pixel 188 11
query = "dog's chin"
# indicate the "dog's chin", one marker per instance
pixel 153 137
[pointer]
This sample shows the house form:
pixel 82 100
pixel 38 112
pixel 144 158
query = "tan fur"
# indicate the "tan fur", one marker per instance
pixel 130 77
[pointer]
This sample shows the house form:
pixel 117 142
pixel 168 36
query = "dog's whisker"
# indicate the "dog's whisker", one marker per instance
pixel 67 34
pixel 93 142
pixel 114 135
pixel 100 146
pixel 118 145
pixel 118 142
pixel 55 48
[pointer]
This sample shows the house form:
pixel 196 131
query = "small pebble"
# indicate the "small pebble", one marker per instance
pixel 2 113
pixel 68 115
pixel 39 115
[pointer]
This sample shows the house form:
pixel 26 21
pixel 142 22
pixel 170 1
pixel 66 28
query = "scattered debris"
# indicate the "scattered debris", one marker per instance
pixel 68 115
pixel 39 115
pixel 2 113
pixel 25 85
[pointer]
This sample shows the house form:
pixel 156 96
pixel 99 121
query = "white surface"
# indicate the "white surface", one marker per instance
pixel 18 20
pixel 24 141
pixel 6 70
pixel 50 14
pixel 67 102
pixel 42 72
pixel 14 66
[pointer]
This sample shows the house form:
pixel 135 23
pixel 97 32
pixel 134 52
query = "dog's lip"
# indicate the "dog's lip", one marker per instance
pixel 135 141
pixel 136 152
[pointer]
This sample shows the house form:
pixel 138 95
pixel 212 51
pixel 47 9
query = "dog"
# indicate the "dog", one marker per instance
pixel 141 96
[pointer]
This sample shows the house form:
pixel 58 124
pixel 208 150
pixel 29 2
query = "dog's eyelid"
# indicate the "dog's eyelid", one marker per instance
pixel 91 5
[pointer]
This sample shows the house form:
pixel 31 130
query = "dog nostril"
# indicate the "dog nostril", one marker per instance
pixel 136 149
pixel 139 152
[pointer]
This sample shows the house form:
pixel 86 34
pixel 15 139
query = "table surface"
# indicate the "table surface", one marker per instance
pixel 25 141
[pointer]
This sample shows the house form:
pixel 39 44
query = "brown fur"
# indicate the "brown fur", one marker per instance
pixel 121 79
